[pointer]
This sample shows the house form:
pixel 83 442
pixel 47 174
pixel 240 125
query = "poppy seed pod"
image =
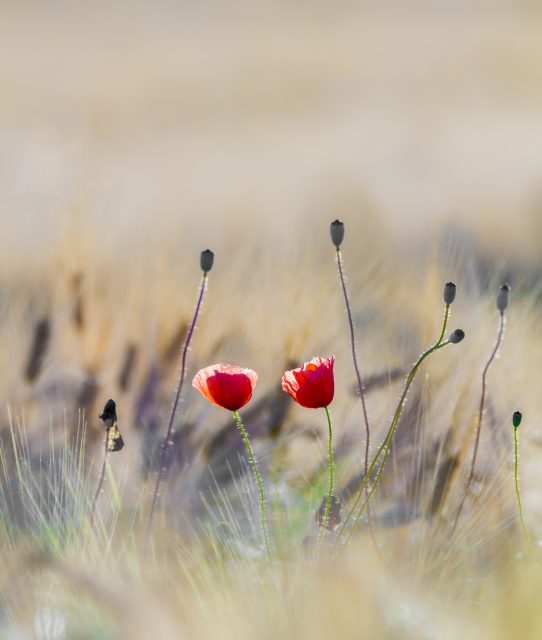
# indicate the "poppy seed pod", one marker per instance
pixel 456 336
pixel 336 229
pixel 449 292
pixel 503 297
pixel 516 419
pixel 206 260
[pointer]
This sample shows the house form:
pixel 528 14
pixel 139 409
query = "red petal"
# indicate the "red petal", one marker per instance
pixel 311 385
pixel 226 385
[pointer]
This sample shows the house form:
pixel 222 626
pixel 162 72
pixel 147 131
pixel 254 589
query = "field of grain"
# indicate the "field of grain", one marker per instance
pixel 135 135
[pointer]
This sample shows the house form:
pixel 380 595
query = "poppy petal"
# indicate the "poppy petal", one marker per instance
pixel 312 385
pixel 226 385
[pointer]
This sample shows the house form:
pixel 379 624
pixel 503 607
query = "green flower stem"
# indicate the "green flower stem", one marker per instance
pixel 254 466
pixel 384 448
pixel 516 480
pixel 323 526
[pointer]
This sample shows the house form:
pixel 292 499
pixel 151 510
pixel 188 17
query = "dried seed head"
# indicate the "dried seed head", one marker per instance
pixel 456 336
pixel 114 441
pixel 503 297
pixel 516 419
pixel 449 292
pixel 206 260
pixel 109 415
pixel 336 229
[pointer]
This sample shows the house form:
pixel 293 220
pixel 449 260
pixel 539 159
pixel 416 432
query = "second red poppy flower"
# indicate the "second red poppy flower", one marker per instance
pixel 312 385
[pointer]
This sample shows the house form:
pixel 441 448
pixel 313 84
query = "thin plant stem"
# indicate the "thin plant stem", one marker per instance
pixel 361 389
pixel 516 481
pixel 324 524
pixel 479 424
pixel 385 447
pixel 254 466
pixel 169 432
pixel 100 481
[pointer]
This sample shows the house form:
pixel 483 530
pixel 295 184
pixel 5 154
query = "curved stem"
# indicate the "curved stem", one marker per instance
pixel 361 390
pixel 479 424
pixel 169 432
pixel 254 466
pixel 516 481
pixel 386 444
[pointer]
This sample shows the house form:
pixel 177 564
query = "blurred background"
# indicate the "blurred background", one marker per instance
pixel 167 125
pixel 133 135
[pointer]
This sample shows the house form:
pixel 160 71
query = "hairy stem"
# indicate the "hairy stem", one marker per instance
pixel 384 449
pixel 479 424
pixel 516 481
pixel 169 432
pixel 324 524
pixel 254 466
pixel 361 389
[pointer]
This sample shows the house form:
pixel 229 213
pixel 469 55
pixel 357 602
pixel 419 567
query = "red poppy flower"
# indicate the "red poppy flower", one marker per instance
pixel 226 385
pixel 312 385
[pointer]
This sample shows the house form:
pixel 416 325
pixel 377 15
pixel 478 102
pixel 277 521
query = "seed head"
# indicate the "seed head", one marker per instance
pixel 503 297
pixel 206 260
pixel 449 292
pixel 456 336
pixel 109 415
pixel 516 419
pixel 336 229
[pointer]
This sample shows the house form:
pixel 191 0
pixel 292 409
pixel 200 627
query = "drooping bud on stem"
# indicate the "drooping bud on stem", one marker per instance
pixel 114 441
pixel 206 260
pixel 456 336
pixel 516 419
pixel 449 292
pixel 109 414
pixel 336 230
pixel 503 297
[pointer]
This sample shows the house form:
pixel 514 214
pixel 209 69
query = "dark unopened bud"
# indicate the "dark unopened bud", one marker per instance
pixel 206 260
pixel 449 292
pixel 516 419
pixel 109 415
pixel 503 297
pixel 336 229
pixel 456 336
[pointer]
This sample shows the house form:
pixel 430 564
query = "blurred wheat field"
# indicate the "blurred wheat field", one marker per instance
pixel 132 136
